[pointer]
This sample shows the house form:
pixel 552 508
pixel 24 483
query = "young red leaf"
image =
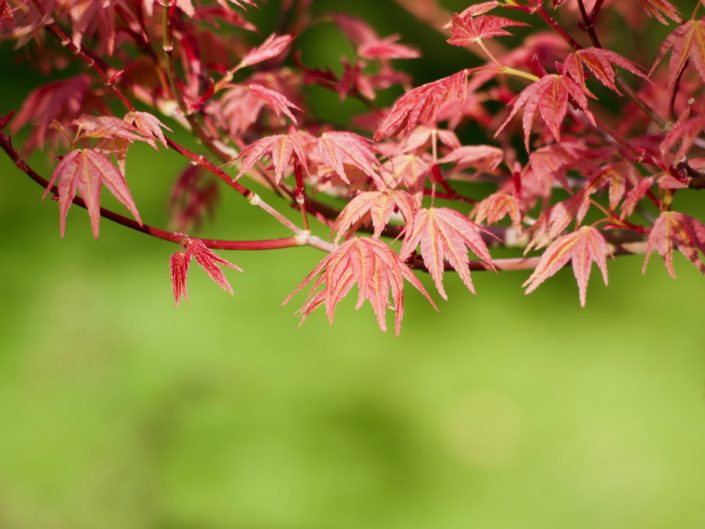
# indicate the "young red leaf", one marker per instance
pixel 421 105
pixel 661 10
pixel 338 149
pixel 369 44
pixel 466 30
pixel 179 265
pixel 480 157
pixel 387 48
pixel 206 258
pixel 674 229
pixel 378 206
pixel 60 101
pixel 282 149
pixel 444 234
pixel 582 248
pixel 497 206
pixel 270 48
pixel 148 124
pixel 600 63
pixel 84 170
pixel 549 98
pixel 110 128
pixel 375 268
pixel 686 43
pixel 274 100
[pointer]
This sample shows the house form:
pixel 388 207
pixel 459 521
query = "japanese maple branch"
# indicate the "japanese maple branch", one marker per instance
pixel 165 235
pixel 251 196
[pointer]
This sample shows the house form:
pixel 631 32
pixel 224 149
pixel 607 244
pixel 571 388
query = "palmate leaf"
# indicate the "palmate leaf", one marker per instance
pixel 269 49
pixel 467 29
pixel 676 230
pixel 421 105
pixel 206 258
pixel 582 248
pixel 148 124
pixel 377 206
pixel 282 149
pixel 600 63
pixel 661 10
pixel 444 234
pixel 549 98
pixel 84 171
pixel 338 149
pixel 376 270
pixel 686 42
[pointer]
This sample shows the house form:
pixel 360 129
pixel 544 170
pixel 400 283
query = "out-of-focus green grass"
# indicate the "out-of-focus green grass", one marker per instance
pixel 501 411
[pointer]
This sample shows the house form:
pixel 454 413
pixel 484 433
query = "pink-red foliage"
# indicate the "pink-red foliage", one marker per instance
pixel 442 180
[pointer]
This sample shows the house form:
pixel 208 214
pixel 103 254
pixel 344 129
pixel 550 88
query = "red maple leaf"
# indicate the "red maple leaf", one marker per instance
pixel 549 97
pixel 270 48
pixel 480 157
pixel 60 101
pixel 686 42
pixel 369 44
pixel 148 124
pixel 468 29
pixel 582 248
pixel 600 63
pixel 209 261
pixel 497 206
pixel 676 230
pixel 338 149
pixel 274 100
pixel 661 10
pixel 421 105
pixel 282 149
pixel 84 171
pixel 375 268
pixel 444 234
pixel 377 206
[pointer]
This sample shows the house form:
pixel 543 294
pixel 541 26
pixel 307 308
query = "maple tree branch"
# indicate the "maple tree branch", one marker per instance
pixel 158 233
pixel 251 196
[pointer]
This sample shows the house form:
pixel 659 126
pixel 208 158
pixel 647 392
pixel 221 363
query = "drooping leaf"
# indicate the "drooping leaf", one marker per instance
pixel 600 62
pixel 377 206
pixel 179 265
pixel 61 101
pixel 148 124
pixel 269 49
pixel 444 234
pixel 274 100
pixel 686 43
pixel 582 248
pixel 84 171
pixel 193 197
pixel 369 44
pixel 206 258
pixel 282 149
pixel 110 128
pixel 549 98
pixel 421 105
pixel 661 10
pixel 376 270
pixel 483 158
pixel 676 230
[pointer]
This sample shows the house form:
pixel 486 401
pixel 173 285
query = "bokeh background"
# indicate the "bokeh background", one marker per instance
pixel 119 411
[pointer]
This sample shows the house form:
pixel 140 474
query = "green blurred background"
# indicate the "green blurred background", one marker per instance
pixel 499 412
